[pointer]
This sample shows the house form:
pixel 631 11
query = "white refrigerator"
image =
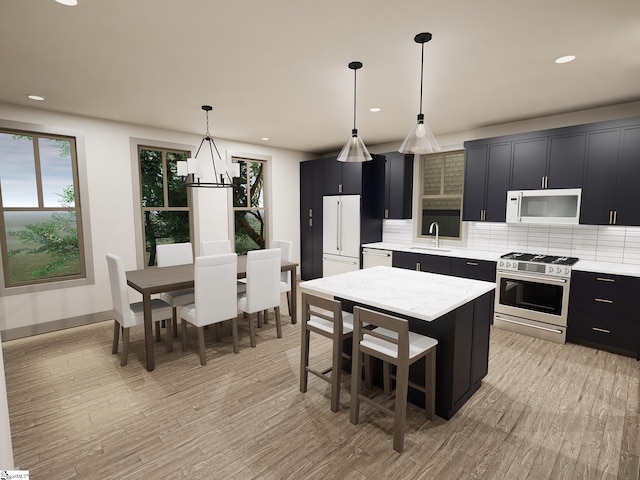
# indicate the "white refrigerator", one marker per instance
pixel 340 234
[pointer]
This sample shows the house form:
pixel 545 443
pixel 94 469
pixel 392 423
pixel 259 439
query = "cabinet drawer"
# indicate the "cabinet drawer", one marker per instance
pixel 604 330
pixel 474 269
pixel 613 295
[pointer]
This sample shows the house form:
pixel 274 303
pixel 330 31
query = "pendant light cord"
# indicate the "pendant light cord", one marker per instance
pixel 421 77
pixel 355 72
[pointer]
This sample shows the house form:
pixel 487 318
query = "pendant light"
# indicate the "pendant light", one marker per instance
pixel 420 139
pixel 354 150
pixel 194 167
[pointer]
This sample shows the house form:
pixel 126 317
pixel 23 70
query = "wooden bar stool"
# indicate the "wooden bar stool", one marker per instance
pixel 324 317
pixel 393 343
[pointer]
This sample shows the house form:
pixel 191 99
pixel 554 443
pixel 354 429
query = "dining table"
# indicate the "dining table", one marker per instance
pixel 152 280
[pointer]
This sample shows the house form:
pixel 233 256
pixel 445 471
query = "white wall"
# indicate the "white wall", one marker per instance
pixel 112 202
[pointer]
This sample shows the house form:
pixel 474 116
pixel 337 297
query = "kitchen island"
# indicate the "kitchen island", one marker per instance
pixel 456 311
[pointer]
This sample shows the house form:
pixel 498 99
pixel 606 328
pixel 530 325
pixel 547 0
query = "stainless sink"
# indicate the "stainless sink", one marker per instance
pixel 430 249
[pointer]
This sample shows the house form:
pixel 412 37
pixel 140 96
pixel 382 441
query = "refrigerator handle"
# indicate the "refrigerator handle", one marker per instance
pixel 338 230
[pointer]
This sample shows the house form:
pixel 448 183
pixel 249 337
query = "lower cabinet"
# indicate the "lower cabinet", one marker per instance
pixel 603 312
pixel 474 269
pixel 422 262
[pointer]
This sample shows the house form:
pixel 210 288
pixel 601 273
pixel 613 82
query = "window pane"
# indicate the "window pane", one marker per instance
pixel 177 190
pixel 432 175
pixel 240 187
pixel 41 245
pixel 18 171
pixel 256 182
pixel 57 173
pixel 445 211
pixel 250 230
pixel 164 227
pixel 151 178
pixel 453 174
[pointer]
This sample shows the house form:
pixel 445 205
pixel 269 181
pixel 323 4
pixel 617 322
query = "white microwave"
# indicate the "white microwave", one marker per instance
pixel 558 206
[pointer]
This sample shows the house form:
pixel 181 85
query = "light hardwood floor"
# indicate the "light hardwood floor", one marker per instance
pixel 543 411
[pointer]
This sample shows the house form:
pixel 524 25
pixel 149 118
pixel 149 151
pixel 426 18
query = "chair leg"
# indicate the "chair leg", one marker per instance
pixel 289 301
pixel 430 384
pixel 336 369
pixel 259 319
pixel 266 316
pixel 356 381
pixel 116 336
pixel 234 334
pixel 170 322
pixel 175 323
pixel 203 358
pixel 278 322
pixel 386 377
pixel 402 385
pixel 304 357
pixel 125 347
pixel 252 330
pixel 158 327
pixel 184 335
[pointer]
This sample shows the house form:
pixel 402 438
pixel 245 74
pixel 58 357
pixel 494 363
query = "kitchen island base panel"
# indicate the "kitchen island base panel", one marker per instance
pixel 462 357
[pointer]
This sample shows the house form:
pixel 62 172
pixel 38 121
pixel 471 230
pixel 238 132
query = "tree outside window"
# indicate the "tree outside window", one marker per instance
pixel 41 234
pixel 248 206
pixel 166 203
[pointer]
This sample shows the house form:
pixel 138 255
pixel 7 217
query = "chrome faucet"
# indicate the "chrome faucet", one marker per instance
pixel 437 240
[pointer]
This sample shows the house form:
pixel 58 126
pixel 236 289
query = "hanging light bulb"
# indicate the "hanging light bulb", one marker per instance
pixel 420 139
pixel 354 150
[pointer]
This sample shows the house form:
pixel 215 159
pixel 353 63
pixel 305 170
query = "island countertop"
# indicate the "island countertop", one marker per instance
pixel 421 295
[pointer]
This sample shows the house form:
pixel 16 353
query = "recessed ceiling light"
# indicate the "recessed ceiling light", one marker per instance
pixel 68 3
pixel 35 97
pixel 375 109
pixel 266 139
pixel 566 59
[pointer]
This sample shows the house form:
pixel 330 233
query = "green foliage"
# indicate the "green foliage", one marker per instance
pixel 248 192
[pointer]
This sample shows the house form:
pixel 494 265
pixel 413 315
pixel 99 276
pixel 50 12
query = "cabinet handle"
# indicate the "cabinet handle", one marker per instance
pixel 603 300
pixel 339 188
pixel 310 212
pixel 418 266
pixel 311 222
pixel 472 264
pixel 541 182
pixel 386 214
pixel 615 217
pixel 603 330
pixel 603 279
pixel 546 182
pixel 610 217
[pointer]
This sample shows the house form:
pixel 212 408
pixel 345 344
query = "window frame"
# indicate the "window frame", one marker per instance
pixel 422 197
pixel 79 173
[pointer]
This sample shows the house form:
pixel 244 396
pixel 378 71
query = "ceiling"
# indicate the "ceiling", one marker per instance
pixel 278 68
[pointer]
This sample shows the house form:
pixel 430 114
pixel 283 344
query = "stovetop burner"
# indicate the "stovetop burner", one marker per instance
pixel 531 257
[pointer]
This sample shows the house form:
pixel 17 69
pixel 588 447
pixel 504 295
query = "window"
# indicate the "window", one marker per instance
pixel 165 199
pixel 249 210
pixel 40 222
pixel 442 177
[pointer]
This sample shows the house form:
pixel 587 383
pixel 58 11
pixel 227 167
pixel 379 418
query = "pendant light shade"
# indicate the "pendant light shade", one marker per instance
pixel 420 139
pixel 194 168
pixel 354 150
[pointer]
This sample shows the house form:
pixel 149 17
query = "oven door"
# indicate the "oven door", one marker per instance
pixel 533 297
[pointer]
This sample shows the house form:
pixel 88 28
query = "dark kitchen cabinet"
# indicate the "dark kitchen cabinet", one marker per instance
pixel 398 185
pixel 603 311
pixel 487 174
pixel 474 269
pixel 548 162
pixel 422 262
pixel 343 178
pixel 612 176
pixel 311 219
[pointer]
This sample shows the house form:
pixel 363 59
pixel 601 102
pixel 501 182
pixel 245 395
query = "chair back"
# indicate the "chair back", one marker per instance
pixel 263 279
pixel 215 279
pixel 285 247
pixel 174 254
pixel 215 247
pixel 389 340
pixel 119 293
pixel 323 315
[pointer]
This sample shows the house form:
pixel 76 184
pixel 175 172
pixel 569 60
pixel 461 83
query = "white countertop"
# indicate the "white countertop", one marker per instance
pixel 421 295
pixel 582 265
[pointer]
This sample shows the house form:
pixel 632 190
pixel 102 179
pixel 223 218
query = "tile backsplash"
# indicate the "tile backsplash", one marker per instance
pixel 602 243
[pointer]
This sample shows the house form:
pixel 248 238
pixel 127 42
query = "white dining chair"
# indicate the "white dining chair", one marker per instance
pixel 168 255
pixel 215 298
pixel 128 314
pixel 285 247
pixel 263 288
pixel 215 247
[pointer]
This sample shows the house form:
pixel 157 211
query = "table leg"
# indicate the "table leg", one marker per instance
pixel 148 331
pixel 294 296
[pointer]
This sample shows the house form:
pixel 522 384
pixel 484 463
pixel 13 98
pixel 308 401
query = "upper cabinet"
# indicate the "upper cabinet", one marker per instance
pixel 398 191
pixel 612 176
pixel 486 182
